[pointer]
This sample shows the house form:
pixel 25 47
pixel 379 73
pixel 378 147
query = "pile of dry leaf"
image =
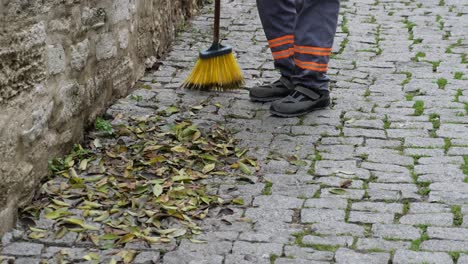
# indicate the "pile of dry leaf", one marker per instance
pixel 131 184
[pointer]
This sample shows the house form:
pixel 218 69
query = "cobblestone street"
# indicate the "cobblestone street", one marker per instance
pixel 380 177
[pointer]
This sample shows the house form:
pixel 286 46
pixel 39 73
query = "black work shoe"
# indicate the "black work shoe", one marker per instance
pixel 301 101
pixel 271 92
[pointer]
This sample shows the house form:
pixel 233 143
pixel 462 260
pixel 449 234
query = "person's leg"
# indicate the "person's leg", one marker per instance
pixel 315 31
pixel 278 18
pixel 314 34
pixel 279 21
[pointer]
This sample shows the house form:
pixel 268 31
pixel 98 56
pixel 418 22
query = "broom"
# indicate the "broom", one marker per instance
pixel 216 68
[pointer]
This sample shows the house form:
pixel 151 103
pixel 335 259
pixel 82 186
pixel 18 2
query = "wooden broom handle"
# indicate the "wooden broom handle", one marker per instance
pixel 217 21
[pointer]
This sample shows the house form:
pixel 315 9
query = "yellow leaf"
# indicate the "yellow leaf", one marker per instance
pixel 104 216
pixel 179 149
pixel 91 256
pixel 157 190
pixel 83 165
pixel 238 201
pixel 127 238
pixel 244 168
pixel 208 168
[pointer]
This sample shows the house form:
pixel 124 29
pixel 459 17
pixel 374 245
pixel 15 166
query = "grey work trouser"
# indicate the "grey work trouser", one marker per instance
pixel 300 34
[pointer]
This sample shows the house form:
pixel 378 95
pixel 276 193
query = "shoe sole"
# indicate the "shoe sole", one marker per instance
pixel 300 113
pixel 264 100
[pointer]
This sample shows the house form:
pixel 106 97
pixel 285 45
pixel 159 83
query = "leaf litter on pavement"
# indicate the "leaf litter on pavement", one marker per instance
pixel 139 182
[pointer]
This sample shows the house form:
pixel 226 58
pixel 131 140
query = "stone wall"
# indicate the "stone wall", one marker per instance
pixel 61 63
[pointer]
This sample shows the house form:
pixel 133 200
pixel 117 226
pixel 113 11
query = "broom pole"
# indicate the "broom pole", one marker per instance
pixel 217 19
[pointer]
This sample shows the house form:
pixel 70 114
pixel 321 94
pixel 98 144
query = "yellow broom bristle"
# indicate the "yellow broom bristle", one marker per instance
pixel 217 73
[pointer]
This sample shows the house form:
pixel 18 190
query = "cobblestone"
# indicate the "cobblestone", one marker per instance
pixel 407 257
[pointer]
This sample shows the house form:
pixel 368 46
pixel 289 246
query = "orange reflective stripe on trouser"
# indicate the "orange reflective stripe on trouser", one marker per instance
pixel 288 39
pixel 317 51
pixel 283 54
pixel 313 66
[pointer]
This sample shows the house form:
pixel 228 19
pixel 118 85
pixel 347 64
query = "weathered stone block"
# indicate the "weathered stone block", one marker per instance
pixel 56 59
pixel 79 54
pixel 106 47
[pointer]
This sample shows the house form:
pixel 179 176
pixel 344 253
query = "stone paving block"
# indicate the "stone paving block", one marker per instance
pixel 257 249
pixel 393 177
pixel 346 256
pixel 308 253
pixel 463 259
pixel 345 241
pixel 23 249
pixel 307 190
pixel 182 257
pixel 448 233
pixel 328 203
pixel 370 217
pixel 384 195
pixel 282 237
pixel 425 208
pixel 368 133
pixel 424 152
pixel 277 201
pixel 410 257
pixel 285 179
pixel 338 228
pixel 297 261
pixel 445 245
pixel 403 232
pixel 147 258
pixel 448 197
pixel 218 236
pixel 246 259
pixel 337 182
pixel 424 142
pixel 314 215
pixel 395 208
pixel 437 219
pixel 381 244
pixel 260 214
pixel 343 193
pixel 215 247
pixel 354 141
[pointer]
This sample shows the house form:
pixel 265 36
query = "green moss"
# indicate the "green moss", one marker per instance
pixel 465 166
pixel 435 120
pixel 457 215
pixel 447 145
pixel 103 126
pixel 457 95
pixel 387 122
pixel 323 247
pixel 419 55
pixel 267 189
pixel 458 75
pixel 367 93
pixel 424 188
pixel 273 258
pixel 409 76
pixel 344 26
pixel 418 108
pixel 442 82
pixel 416 244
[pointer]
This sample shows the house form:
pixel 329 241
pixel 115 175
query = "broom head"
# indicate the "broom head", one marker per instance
pixel 216 69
